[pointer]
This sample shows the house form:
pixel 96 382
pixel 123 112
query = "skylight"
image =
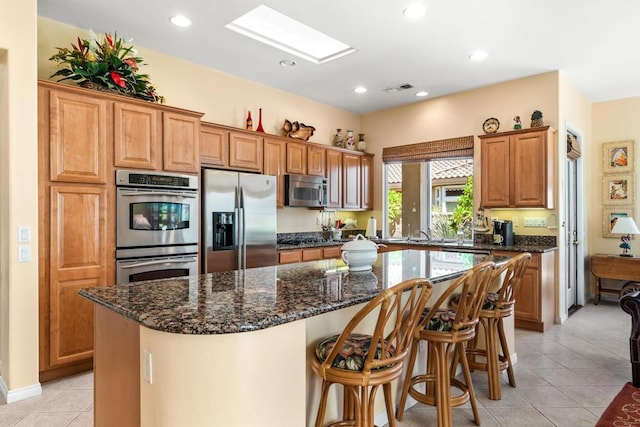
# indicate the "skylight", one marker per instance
pixel 277 30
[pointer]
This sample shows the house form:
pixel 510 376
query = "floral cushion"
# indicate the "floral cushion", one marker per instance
pixel 353 354
pixel 442 321
pixel 489 302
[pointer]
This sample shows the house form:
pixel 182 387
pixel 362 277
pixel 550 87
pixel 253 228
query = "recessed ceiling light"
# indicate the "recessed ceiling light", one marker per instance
pixel 360 89
pixel 288 63
pixel 414 10
pixel 422 93
pixel 478 55
pixel 180 21
pixel 278 30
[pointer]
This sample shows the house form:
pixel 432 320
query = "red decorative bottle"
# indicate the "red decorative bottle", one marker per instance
pixel 259 129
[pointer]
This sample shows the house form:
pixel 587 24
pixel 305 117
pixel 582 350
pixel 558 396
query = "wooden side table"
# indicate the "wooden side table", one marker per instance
pixel 615 267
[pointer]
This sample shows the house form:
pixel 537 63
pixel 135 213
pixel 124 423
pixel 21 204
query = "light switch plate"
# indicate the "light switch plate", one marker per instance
pixel 539 221
pixel 24 234
pixel 24 253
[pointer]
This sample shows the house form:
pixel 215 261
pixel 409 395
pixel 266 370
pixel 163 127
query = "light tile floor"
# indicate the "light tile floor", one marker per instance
pixel 566 377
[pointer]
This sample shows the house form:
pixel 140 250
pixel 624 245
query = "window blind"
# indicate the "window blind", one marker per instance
pixel 450 148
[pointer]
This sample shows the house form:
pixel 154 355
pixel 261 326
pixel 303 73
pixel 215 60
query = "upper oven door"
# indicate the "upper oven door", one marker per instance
pixel 155 217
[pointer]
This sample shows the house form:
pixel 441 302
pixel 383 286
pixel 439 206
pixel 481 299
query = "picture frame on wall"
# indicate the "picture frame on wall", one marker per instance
pixel 609 217
pixel 618 189
pixel 618 156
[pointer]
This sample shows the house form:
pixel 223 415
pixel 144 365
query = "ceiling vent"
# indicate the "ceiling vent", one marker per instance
pixel 399 88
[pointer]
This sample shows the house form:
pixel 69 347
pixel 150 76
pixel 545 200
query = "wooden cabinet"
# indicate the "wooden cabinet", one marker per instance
pixel 316 160
pixel 366 181
pixel 180 134
pixel 136 136
pixel 83 136
pixel 290 256
pixel 79 135
pixel 517 169
pixel 334 178
pixel 535 301
pixel 245 151
pixel 274 163
pixel 214 146
pixel 351 181
pixel 296 158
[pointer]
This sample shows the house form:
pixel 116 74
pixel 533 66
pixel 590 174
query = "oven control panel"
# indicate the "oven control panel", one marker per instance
pixel 149 179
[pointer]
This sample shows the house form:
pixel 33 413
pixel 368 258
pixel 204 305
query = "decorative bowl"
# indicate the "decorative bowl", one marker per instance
pixel 359 253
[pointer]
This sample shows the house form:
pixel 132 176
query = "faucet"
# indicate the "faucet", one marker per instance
pixel 426 234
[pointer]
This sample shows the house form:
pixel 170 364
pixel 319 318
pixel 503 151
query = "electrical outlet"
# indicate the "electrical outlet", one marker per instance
pixel 147 366
pixel 24 234
pixel 540 221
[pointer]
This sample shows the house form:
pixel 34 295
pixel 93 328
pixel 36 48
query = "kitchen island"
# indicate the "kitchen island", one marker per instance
pixel 234 348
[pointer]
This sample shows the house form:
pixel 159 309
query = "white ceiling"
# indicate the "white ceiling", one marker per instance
pixel 595 43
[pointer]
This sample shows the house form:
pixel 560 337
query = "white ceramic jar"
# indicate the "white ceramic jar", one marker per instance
pixel 359 253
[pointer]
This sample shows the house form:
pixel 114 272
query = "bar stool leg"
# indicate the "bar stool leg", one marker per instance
pixel 443 383
pixel 386 388
pixel 506 353
pixel 407 379
pixel 493 362
pixel 467 379
pixel 323 403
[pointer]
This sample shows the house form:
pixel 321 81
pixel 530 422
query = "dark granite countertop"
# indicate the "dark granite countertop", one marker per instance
pixel 523 247
pixel 259 298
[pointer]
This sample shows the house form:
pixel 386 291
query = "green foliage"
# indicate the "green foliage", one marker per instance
pixel 394 205
pixel 462 217
pixel 108 63
pixel 440 225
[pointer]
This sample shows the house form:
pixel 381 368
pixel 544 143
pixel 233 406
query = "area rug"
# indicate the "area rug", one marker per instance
pixel 624 409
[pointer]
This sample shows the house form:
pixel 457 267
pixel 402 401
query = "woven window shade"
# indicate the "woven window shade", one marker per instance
pixel 573 147
pixel 443 149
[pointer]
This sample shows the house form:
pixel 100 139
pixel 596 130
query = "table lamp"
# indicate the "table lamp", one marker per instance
pixel 625 225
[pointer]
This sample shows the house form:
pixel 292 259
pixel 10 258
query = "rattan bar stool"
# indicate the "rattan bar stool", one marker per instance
pixel 361 363
pixel 447 333
pixel 496 308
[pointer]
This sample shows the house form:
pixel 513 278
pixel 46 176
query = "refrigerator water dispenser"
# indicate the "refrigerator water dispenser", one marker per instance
pixel 223 230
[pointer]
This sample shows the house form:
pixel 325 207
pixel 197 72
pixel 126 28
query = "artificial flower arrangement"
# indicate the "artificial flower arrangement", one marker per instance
pixel 109 64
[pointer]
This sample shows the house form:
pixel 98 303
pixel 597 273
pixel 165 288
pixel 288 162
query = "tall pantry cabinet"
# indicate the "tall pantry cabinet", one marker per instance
pixel 83 137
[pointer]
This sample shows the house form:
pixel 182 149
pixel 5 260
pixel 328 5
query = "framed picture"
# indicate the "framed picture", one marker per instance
pixel 609 218
pixel 618 156
pixel 618 189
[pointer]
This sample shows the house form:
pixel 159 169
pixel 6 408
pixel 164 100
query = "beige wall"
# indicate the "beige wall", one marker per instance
pixel 223 98
pixel 18 198
pixel 612 121
pixel 460 115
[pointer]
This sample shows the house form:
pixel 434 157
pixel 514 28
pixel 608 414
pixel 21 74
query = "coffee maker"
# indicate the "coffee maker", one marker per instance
pixel 502 232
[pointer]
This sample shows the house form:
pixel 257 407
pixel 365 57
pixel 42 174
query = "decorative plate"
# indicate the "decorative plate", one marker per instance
pixel 491 125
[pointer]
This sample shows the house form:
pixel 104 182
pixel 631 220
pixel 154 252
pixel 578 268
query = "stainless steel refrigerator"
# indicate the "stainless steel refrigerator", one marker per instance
pixel 239 220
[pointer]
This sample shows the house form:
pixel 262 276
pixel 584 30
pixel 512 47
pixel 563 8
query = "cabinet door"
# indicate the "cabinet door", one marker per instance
pixel 296 158
pixel 528 305
pixel 311 254
pixel 79 137
pixel 316 160
pixel 331 252
pixel 366 170
pixel 78 258
pixel 334 179
pixel 180 142
pixel 528 152
pixel 214 146
pixel 351 181
pixel 274 161
pixel 495 181
pixel 136 136
pixel 288 257
pixel 245 151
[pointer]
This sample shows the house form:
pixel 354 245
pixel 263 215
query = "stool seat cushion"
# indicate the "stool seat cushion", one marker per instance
pixel 442 321
pixel 353 354
pixel 489 302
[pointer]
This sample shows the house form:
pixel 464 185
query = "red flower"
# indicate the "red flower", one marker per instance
pixel 117 79
pixel 109 39
pixel 131 62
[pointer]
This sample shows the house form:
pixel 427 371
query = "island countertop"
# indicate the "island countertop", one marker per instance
pixel 259 298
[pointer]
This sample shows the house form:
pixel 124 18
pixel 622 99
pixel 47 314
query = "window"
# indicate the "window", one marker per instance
pixel 424 196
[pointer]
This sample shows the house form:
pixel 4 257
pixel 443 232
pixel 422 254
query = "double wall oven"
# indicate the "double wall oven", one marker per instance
pixel 156 225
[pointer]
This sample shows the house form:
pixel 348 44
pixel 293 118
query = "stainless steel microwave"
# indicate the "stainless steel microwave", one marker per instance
pixel 305 190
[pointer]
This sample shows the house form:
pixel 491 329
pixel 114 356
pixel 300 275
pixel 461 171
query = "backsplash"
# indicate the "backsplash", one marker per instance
pixel 518 240
pixel 315 236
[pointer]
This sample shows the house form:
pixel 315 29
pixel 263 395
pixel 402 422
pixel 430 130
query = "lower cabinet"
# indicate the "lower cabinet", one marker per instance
pixel 290 256
pixel 535 301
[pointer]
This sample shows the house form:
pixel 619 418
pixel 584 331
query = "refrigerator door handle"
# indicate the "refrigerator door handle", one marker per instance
pixel 238 236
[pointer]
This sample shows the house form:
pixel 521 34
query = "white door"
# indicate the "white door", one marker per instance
pixel 572 236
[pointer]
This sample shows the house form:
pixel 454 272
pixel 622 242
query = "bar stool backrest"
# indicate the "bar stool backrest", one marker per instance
pixel 513 271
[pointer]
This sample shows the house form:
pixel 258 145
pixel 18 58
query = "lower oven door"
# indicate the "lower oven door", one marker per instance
pixel 136 270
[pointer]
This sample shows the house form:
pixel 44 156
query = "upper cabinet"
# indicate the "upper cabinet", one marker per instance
pixel 180 134
pixel 316 160
pixel 334 178
pixel 275 157
pixel 366 180
pixel 296 158
pixel 136 136
pixel 351 179
pixel 214 146
pixel 517 169
pixel 245 151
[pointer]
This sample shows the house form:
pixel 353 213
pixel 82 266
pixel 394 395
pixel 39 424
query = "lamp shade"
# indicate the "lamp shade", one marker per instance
pixel 625 225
